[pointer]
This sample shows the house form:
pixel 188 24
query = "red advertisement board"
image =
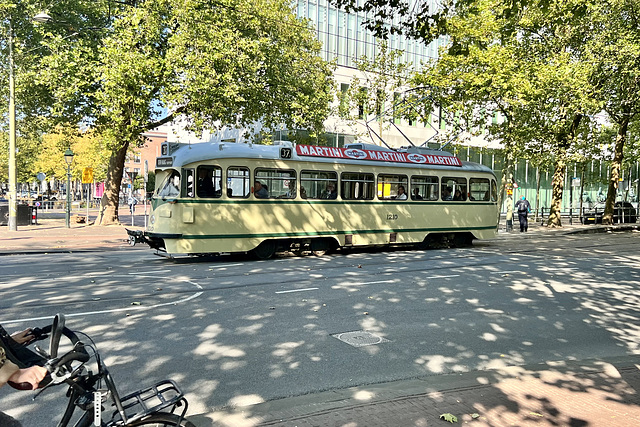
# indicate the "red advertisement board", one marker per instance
pixel 378 156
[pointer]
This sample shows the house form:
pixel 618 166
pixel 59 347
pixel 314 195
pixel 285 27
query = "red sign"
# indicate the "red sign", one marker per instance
pixel 379 156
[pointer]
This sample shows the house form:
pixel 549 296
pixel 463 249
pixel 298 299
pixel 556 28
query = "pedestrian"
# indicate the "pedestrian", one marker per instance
pixel 523 208
pixel 509 203
pixel 132 202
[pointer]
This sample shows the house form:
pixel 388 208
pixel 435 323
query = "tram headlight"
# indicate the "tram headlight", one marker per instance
pixel 152 219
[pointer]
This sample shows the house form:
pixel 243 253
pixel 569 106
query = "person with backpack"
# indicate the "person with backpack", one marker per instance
pixel 523 208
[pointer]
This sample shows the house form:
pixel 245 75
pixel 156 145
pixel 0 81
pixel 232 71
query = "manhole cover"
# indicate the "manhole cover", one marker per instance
pixel 359 338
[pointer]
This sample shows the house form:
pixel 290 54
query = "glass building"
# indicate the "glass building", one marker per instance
pixel 344 37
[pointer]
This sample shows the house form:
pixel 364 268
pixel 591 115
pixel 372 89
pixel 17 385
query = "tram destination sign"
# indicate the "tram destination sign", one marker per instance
pixel 163 162
pixel 378 156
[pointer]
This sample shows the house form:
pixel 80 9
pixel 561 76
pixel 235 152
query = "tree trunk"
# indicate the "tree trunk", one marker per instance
pixel 111 198
pixel 564 142
pixel 582 190
pixel 538 178
pixel 557 185
pixel 507 173
pixel 616 165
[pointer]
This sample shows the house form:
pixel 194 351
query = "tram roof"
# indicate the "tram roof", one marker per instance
pixel 180 155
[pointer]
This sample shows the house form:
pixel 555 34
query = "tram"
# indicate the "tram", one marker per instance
pixel 213 198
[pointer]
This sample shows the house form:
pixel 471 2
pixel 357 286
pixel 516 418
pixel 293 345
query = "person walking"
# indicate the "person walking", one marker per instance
pixel 523 208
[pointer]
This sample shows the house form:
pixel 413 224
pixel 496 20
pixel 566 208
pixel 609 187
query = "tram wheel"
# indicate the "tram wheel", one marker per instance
pixel 265 250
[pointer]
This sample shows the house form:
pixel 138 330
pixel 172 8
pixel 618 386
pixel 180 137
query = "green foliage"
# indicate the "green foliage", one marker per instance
pixel 123 68
pixel 88 149
pixel 371 92
pixel 151 182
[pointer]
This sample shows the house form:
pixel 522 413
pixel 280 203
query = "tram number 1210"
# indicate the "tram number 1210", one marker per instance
pixel 392 216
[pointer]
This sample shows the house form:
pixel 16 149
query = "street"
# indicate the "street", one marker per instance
pixel 233 331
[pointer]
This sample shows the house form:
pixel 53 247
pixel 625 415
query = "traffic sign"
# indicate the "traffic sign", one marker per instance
pixel 87 175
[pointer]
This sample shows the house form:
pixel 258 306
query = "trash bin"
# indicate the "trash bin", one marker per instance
pixel 27 215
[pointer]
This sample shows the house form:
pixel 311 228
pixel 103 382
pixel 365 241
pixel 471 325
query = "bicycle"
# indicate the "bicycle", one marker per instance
pixel 152 406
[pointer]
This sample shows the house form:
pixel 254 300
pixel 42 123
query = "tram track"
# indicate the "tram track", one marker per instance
pixel 366 268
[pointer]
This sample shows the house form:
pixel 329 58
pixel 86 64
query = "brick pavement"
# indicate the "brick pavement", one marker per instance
pixel 50 234
pixel 566 394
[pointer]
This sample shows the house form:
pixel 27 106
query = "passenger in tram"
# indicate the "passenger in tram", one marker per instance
pixel 401 194
pixel 458 195
pixel 416 194
pixel 303 193
pixel 205 184
pixel 446 193
pixel 331 191
pixel 260 191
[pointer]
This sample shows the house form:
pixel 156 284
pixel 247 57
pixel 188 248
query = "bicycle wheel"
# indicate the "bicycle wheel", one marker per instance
pixel 161 420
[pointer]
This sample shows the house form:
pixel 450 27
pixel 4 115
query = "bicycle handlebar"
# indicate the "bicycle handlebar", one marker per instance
pixel 59 367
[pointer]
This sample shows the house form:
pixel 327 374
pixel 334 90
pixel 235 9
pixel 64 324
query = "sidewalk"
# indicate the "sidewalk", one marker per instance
pixel 587 393
pixel 50 234
pixel 565 394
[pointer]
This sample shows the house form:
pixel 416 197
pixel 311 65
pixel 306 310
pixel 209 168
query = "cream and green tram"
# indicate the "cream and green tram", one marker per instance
pixel 225 197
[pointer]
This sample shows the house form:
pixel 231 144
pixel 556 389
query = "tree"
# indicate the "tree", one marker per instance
pixel 372 92
pixel 613 49
pixel 527 62
pixel 127 67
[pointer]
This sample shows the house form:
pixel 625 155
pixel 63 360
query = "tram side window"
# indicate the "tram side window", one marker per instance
pixel 357 186
pixel 479 189
pixel 392 187
pixel 494 191
pixel 318 185
pixel 209 182
pixel 424 188
pixel 170 186
pixel 188 182
pixel 453 188
pixel 279 183
pixel 238 182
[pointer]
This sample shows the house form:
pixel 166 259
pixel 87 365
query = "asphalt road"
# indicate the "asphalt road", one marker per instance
pixel 232 331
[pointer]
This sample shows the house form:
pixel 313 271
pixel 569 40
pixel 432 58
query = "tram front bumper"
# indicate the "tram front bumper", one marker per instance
pixel 154 240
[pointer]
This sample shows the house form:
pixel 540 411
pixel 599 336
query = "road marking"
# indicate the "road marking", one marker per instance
pixel 226 265
pixel 114 310
pixel 373 283
pixel 296 290
pixel 442 277
pixel 151 272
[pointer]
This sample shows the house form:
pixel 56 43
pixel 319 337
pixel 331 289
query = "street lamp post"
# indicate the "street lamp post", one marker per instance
pixel 13 179
pixel 68 158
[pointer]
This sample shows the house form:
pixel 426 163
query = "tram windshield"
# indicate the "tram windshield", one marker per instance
pixel 170 186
